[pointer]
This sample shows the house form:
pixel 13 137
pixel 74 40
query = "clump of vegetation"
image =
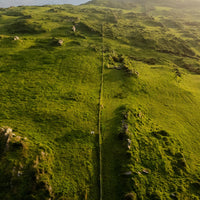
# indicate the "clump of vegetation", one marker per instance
pixel 19 168
pixel 130 196
pixel 24 26
pixel 192 66
pixel 152 153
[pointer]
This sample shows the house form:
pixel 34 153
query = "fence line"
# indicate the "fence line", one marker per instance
pixel 99 118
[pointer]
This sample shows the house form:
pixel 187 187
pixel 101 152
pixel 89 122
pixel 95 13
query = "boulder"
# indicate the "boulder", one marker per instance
pixel 16 38
pixel 8 131
pixel 60 42
pixel 2 130
pixel 5 136
pixel 128 143
pixel 137 73
pixel 127 173
pixel 74 28
pixel 145 171
pixel 9 140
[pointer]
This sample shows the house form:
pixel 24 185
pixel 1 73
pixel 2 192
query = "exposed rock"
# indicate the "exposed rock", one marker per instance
pixel 2 130
pixel 19 173
pixel 9 140
pixel 5 130
pixel 127 173
pixel 74 28
pixel 43 154
pixel 16 38
pixel 137 73
pixel 8 131
pixel 145 171
pixel 124 131
pixel 60 42
pixel 125 126
pixel 129 143
pixel 117 67
pixel 174 196
pixel 114 67
pixel 5 136
pixel 126 116
pixel 19 169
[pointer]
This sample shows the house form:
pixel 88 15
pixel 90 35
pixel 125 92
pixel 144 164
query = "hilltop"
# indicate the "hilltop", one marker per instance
pixel 128 70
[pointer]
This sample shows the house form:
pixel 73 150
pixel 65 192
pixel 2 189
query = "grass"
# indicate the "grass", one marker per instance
pixel 50 96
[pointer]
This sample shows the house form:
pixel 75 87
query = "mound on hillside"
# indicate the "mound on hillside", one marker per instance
pixel 24 26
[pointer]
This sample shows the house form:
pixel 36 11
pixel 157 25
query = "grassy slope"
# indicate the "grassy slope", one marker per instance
pixel 165 100
pixel 44 100
pixel 50 94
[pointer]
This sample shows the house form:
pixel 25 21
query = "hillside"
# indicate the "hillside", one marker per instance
pixel 100 99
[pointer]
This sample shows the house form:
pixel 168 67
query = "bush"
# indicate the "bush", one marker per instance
pixel 130 196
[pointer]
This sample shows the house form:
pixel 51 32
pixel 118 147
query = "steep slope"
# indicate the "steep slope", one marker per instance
pixel 50 83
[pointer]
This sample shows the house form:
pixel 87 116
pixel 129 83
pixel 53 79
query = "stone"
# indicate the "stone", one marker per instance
pixel 60 42
pixel 126 116
pixel 137 73
pixel 18 138
pixel 145 171
pixel 129 141
pixel 174 196
pixel 6 135
pixel 2 130
pixel 8 131
pixel 19 173
pixel 126 127
pixel 127 173
pixel 16 38
pixel 117 67
pixel 43 154
pixel 74 28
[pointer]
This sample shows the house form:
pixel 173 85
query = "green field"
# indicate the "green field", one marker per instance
pixel 131 70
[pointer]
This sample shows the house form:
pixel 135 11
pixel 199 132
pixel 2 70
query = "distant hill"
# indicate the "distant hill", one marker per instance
pixel 129 3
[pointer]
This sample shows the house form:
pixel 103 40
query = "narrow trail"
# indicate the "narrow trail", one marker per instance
pixel 99 118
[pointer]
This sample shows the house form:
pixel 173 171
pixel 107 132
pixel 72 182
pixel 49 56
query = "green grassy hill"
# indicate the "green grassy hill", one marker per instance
pixel 131 70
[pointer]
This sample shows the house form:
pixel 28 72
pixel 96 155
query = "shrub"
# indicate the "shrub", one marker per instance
pixel 130 196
